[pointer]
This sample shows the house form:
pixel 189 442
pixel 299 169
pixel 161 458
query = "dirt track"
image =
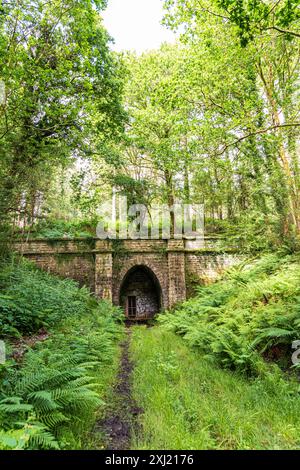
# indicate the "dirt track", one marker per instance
pixel 121 418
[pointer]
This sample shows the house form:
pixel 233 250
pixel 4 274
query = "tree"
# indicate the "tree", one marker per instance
pixel 63 88
pixel 159 122
pixel 251 18
pixel 267 133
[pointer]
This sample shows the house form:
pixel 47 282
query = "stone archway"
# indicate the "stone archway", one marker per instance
pixel 140 293
pixel 98 265
pixel 155 263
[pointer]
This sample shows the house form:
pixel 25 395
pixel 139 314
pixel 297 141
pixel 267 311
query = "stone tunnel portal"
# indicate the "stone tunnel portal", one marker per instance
pixel 140 294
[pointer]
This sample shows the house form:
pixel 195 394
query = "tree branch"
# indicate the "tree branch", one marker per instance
pixel 259 132
pixel 285 31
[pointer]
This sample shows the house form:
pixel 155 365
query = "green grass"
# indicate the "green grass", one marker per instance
pixel 94 437
pixel 191 404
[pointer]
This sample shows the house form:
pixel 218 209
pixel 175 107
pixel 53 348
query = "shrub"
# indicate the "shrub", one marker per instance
pixel 49 400
pixel 255 307
pixel 31 299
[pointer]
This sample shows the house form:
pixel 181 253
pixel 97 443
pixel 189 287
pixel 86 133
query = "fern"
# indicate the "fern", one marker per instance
pixel 43 439
pixel 32 435
pixel 42 401
pixel 56 391
pixel 254 307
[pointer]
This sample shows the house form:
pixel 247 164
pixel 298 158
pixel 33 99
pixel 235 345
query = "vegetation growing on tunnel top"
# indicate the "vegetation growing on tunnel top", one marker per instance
pixel 253 312
pixel 52 392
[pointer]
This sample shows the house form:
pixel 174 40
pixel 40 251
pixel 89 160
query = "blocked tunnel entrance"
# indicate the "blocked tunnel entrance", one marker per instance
pixel 140 294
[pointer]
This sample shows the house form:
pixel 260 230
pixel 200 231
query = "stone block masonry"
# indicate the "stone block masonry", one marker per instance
pixel 104 266
pixel 176 271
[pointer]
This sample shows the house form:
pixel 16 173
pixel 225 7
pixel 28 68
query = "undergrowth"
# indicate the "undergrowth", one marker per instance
pixel 52 397
pixel 251 314
pixel 60 228
pixel 191 404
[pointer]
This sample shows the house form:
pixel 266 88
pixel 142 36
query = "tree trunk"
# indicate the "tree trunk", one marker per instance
pixel 293 202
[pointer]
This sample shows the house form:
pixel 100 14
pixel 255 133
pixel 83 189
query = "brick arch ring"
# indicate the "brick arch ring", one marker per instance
pixel 150 270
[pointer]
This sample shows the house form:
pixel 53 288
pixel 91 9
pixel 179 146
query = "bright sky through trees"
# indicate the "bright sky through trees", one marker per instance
pixel 136 24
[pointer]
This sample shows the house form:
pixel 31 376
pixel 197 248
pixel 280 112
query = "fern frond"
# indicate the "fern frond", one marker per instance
pixel 53 419
pixel 43 401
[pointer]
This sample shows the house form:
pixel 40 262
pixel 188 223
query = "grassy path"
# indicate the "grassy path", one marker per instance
pixel 121 416
pixel 190 404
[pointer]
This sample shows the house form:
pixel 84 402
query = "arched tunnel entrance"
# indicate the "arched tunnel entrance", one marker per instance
pixel 140 294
